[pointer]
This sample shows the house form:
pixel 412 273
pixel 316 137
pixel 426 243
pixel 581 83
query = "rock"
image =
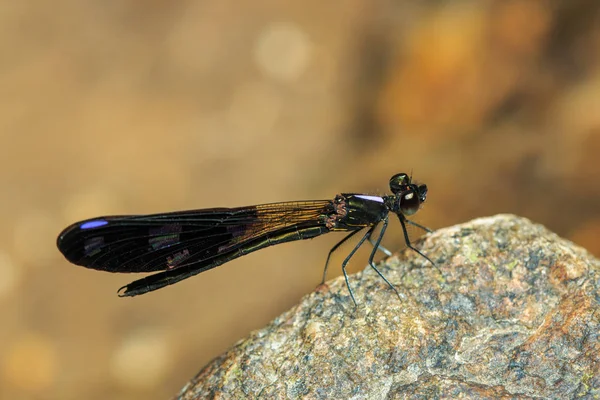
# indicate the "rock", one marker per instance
pixel 511 311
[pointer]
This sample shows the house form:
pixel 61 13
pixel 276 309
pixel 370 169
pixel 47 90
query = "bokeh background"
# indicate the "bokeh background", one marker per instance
pixel 121 107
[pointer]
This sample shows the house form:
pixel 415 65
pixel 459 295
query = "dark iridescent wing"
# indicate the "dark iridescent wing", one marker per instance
pixel 159 242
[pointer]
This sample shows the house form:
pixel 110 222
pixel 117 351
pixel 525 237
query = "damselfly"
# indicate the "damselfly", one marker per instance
pixel 185 243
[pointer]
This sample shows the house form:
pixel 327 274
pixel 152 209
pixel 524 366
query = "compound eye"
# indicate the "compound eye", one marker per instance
pixel 399 182
pixel 409 203
pixel 422 192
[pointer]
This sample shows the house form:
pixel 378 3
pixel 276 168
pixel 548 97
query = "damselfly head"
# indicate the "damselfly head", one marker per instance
pixel 409 196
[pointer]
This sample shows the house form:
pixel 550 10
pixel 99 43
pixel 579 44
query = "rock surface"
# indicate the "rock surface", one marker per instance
pixel 511 311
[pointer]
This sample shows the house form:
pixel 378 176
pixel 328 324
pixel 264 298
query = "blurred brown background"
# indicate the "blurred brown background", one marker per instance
pixel 120 107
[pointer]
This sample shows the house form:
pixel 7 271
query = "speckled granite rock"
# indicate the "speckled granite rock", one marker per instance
pixel 512 311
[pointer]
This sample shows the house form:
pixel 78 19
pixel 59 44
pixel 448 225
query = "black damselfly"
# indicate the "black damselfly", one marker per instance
pixel 185 243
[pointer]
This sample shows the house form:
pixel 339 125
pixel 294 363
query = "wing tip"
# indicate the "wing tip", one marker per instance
pixel 64 241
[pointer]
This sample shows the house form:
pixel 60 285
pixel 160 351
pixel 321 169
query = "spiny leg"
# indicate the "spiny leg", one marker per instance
pixel 334 248
pixel 426 229
pixel 375 247
pixel 407 240
pixel 345 262
pixel 379 247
